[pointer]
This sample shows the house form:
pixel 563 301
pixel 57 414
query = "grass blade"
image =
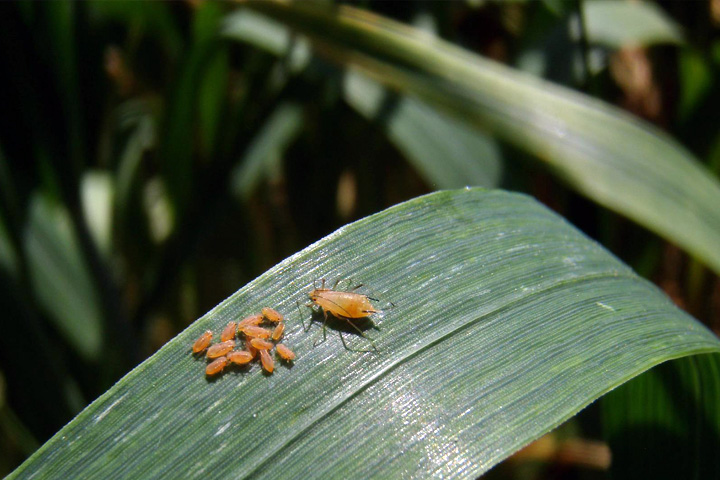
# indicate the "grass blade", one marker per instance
pixel 603 153
pixel 507 322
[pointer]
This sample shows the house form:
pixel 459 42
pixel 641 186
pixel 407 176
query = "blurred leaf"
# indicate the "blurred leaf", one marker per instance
pixel 446 152
pixel 423 134
pixel 602 152
pixel 670 412
pixel 212 98
pixel 8 258
pixel 96 193
pixel 60 277
pixel 696 78
pixel 8 214
pixel 178 145
pixel 283 126
pixel 61 38
pixel 507 322
pixel 151 18
pixel 620 23
pixel 138 118
pixel 212 94
pixel 258 30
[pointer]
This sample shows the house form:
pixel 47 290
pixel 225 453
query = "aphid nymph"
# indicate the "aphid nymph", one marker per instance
pixel 203 342
pixel 216 366
pixel 284 352
pixel 272 315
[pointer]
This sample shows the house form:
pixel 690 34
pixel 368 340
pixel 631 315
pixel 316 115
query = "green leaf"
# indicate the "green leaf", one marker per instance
pixel 616 24
pixel 97 194
pixel 263 153
pixel 422 133
pixel 600 151
pixel 507 321
pixel 445 151
pixel 61 278
pixel 177 146
pixel 670 412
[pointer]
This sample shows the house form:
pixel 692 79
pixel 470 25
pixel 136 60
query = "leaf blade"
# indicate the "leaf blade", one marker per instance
pixel 603 153
pixel 503 323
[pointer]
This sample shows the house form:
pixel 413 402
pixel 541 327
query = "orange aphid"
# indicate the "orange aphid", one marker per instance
pixel 229 332
pixel 261 344
pixel 253 320
pixel 284 352
pixel 272 315
pixel 240 357
pixel 342 304
pixel 277 333
pixel 216 366
pixel 220 349
pixel 256 332
pixel 203 342
pixel 267 361
pixel 252 350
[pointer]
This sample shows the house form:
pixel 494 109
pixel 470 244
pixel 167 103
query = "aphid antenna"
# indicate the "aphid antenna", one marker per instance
pixel 349 287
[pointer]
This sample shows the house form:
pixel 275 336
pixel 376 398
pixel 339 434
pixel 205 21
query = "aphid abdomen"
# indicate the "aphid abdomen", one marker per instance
pixel 344 304
pixel 229 332
pixel 284 352
pixel 278 332
pixel 240 357
pixel 203 342
pixel 253 320
pixel 256 332
pixel 272 315
pixel 251 350
pixel 216 366
pixel 220 349
pixel 267 361
pixel 261 344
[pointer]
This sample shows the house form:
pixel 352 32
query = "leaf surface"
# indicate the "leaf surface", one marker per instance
pixel 507 321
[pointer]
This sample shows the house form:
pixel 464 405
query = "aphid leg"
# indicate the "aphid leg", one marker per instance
pixel 336 284
pixel 324 330
pixel 362 334
pixel 297 303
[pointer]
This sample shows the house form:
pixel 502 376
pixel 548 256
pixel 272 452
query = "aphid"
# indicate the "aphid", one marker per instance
pixel 229 332
pixel 216 366
pixel 252 350
pixel 220 349
pixel 203 342
pixel 267 361
pixel 261 344
pixel 284 352
pixel 253 320
pixel 257 332
pixel 278 332
pixel 343 305
pixel 240 357
pixel 272 315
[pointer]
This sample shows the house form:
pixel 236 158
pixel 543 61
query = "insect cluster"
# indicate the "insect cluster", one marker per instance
pixel 250 332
